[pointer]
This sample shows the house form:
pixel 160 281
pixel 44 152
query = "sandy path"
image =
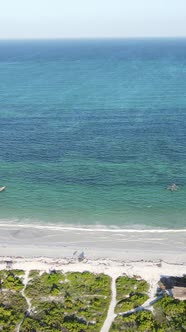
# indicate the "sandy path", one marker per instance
pixel 147 305
pixel 25 282
pixel 111 314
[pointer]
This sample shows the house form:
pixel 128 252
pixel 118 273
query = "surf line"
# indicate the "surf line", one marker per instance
pixel 86 229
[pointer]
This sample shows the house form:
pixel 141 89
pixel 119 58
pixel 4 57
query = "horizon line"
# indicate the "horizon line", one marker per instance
pixel 88 38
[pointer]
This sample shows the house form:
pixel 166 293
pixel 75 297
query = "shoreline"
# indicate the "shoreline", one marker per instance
pixel 28 241
pixel 90 228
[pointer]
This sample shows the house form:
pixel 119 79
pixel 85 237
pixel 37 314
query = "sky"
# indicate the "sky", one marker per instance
pixel 92 18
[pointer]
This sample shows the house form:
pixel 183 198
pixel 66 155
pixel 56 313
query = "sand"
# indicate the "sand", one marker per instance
pixel 115 244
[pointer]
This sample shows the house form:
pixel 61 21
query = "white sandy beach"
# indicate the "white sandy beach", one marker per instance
pixel 116 244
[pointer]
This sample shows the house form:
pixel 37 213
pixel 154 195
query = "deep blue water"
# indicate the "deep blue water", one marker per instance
pixel 92 132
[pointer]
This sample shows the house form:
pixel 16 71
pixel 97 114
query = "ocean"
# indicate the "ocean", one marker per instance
pixel 92 132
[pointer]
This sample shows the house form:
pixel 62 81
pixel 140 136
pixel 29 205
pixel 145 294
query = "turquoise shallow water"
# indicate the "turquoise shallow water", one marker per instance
pixel 92 132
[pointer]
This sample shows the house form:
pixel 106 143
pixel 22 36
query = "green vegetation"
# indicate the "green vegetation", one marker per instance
pixel 11 280
pixel 33 274
pixel 126 286
pixel 78 302
pixel 12 303
pixel 131 293
pixel 44 285
pixel 170 314
pixel 133 301
pixel 141 321
pixel 75 301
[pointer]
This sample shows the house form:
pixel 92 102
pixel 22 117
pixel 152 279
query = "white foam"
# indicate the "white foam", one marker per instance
pixel 96 228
